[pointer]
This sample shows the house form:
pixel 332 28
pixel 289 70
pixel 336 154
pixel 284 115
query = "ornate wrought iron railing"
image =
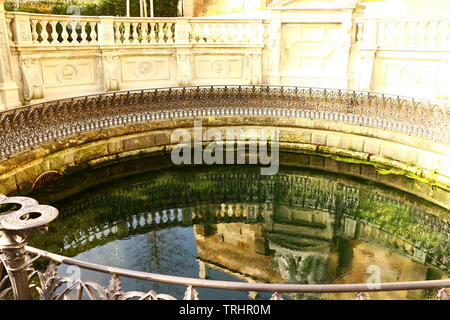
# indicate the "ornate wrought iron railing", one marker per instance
pixel 34 125
pixel 16 226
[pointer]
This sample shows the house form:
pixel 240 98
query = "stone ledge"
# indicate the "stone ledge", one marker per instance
pixel 116 144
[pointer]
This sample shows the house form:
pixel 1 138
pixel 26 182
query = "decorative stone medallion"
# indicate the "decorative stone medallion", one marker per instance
pixel 145 68
pixel 69 72
pixel 219 67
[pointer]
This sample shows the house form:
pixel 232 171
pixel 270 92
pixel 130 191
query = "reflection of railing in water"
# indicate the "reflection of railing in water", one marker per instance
pixel 160 198
pixel 16 226
pixel 31 126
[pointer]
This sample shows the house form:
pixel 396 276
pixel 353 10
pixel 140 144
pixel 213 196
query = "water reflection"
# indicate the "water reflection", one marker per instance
pixel 233 224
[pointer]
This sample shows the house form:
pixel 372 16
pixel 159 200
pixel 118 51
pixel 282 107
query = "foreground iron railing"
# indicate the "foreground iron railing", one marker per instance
pixel 34 125
pixel 17 225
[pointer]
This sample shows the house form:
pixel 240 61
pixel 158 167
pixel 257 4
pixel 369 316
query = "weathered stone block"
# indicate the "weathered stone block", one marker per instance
pixel 371 146
pixel 8 185
pixel 162 139
pixel 317 162
pixel 139 142
pixel 334 140
pixel 319 138
pixel 115 146
pixel 90 152
pixel 331 165
pixel 352 142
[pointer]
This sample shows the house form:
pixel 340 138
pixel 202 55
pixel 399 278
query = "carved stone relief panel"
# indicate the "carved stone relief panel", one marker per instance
pixel 5 67
pixel 145 68
pixel 110 72
pixel 33 86
pixel 416 77
pixel 218 66
pixel 69 72
pixel 311 49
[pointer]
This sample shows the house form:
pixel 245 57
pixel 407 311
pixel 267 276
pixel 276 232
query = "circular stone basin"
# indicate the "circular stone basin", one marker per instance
pixel 230 223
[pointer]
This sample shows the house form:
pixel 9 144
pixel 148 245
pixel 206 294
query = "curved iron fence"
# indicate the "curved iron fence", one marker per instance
pixel 34 125
pixel 50 282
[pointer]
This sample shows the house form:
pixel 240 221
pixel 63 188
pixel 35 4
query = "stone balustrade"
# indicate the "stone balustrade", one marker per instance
pixel 45 57
pixel 63 30
pixel 414 33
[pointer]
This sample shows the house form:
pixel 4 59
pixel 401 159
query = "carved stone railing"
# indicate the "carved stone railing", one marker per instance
pixel 417 33
pixel 64 30
pixel 22 279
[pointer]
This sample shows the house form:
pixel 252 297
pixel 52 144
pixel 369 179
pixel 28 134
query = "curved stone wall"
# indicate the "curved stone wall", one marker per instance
pixel 415 165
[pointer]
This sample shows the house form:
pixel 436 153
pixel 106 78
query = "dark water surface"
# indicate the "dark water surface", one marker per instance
pixel 230 223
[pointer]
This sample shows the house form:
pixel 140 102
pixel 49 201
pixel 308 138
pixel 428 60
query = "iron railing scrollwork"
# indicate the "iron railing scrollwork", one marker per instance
pixel 34 125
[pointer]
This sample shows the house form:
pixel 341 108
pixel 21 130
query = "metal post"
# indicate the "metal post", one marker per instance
pixel 152 13
pixel 145 9
pixel 15 228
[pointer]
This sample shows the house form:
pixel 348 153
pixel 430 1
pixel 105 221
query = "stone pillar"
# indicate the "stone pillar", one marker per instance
pixel 22 30
pixel 364 70
pixel 275 48
pixel 365 57
pixel 9 91
pixel 182 31
pixel 110 66
pixel 32 84
pixel 443 85
pixel 106 31
pixel 184 70
pixel 255 67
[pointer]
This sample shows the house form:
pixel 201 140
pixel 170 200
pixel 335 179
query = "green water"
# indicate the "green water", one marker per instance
pixel 230 223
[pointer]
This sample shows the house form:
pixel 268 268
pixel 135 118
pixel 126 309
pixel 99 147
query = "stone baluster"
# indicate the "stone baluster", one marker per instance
pixel 170 33
pixel 83 34
pixel 73 35
pixel 196 33
pixel 214 32
pixel 64 33
pixel 126 32
pixel 206 33
pixel 117 32
pixel 221 33
pixel 161 32
pixel 54 33
pixel 93 32
pixel 135 34
pixel 240 34
pixel 231 36
pixel 144 33
pixel 34 32
pixel 152 32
